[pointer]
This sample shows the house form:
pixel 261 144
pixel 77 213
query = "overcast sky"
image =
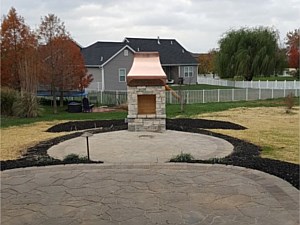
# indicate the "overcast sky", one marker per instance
pixel 196 24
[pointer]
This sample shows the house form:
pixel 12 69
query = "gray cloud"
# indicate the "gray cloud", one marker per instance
pixel 196 24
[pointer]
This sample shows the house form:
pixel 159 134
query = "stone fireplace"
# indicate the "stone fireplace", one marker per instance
pixel 146 93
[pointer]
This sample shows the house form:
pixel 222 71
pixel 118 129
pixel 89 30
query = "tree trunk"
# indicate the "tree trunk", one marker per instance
pixel 54 99
pixel 61 99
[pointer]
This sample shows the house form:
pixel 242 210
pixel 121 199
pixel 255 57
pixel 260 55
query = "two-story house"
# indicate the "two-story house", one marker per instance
pixel 109 62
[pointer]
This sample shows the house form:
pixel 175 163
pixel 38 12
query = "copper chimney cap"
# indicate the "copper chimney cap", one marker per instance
pixel 146 70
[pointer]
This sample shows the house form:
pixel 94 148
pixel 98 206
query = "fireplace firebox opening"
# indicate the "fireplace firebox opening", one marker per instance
pixel 146 104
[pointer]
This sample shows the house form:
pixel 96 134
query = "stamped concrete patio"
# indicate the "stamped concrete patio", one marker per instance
pixel 146 194
pixel 143 147
pixel 134 186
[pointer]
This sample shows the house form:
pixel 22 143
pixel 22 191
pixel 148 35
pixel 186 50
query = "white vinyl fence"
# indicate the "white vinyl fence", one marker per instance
pixel 197 96
pixel 251 84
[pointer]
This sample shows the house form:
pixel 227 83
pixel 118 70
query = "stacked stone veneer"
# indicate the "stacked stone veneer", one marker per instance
pixel 146 122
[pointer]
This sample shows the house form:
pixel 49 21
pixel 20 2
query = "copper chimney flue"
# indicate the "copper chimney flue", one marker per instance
pixel 146 70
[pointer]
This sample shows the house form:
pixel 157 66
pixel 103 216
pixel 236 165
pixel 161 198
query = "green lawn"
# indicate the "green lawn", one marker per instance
pixel 172 111
pixel 273 78
pixel 199 87
pixel 195 109
pixel 47 115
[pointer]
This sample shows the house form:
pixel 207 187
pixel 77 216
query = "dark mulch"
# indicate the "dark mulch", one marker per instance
pixel 204 124
pixel 193 123
pixel 244 154
pixel 247 155
pixel 83 125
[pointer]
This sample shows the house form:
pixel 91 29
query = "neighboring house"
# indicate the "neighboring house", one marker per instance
pixel 110 62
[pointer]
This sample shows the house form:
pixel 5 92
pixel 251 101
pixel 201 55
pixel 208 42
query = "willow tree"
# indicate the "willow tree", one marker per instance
pixel 248 52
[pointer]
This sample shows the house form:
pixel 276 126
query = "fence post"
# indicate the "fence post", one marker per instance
pixel 295 84
pixel 187 97
pixel 284 92
pixel 259 84
pixel 259 93
pixel 117 97
pixel 218 95
pixel 246 94
pixel 101 96
pixel 203 96
pixel 284 84
pixel 232 94
pixel 272 92
pixel 267 83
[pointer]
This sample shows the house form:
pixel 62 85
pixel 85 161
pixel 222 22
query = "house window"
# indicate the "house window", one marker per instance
pixel 125 52
pixel 122 75
pixel 188 71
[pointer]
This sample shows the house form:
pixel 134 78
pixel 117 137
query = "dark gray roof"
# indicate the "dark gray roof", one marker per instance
pixel 93 53
pixel 170 51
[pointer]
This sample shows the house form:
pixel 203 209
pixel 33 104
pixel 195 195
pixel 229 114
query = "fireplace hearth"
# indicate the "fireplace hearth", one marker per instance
pixel 146 93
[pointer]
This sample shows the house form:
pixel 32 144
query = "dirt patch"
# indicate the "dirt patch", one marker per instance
pixel 269 127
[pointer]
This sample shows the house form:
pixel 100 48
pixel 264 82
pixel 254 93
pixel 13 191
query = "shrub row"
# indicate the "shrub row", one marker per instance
pixel 13 103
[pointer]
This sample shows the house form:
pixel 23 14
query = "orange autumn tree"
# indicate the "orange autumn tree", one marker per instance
pixel 20 64
pixel 293 49
pixel 63 63
pixel 70 66
pixel 207 62
pixel 29 69
pixel 16 38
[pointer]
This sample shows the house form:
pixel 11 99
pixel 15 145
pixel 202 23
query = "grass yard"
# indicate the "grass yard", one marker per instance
pixel 16 139
pixel 47 115
pixel 268 78
pixel 196 109
pixel 274 78
pixel 199 87
pixel 269 126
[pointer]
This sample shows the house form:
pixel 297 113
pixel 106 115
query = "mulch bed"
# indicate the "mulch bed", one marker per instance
pixel 244 153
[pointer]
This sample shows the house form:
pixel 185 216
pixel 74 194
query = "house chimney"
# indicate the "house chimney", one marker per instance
pixel 158 42
pixel 171 42
pixel 101 59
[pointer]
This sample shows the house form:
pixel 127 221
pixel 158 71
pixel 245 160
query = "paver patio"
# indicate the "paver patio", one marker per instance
pixel 135 186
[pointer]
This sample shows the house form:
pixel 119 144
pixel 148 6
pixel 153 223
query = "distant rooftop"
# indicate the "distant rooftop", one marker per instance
pixel 170 51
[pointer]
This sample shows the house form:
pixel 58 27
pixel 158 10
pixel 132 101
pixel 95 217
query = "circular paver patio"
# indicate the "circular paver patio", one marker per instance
pixel 141 147
pixel 146 194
